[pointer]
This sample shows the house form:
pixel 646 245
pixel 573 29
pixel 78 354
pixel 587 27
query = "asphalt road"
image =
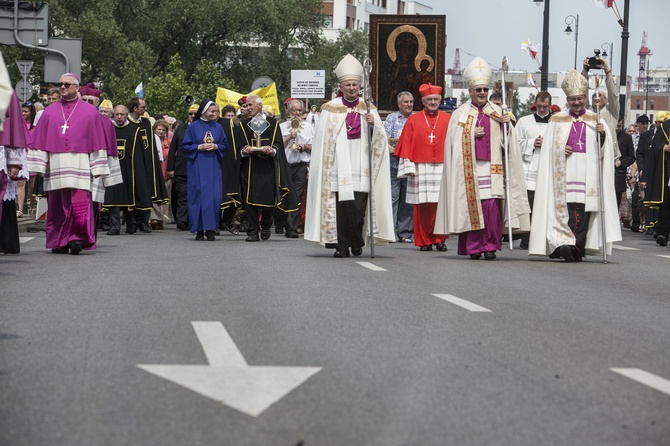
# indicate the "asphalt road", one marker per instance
pixel 390 362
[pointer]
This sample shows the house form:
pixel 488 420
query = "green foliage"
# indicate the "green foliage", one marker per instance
pixel 219 43
pixel 524 109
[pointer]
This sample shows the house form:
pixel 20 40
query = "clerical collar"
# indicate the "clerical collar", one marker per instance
pixel 69 100
pixel 578 114
pixel 350 104
pixel 544 118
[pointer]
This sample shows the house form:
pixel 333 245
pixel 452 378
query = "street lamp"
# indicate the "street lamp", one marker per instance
pixel 572 20
pixel 608 47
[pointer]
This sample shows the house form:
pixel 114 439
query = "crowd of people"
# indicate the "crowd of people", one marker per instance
pixel 564 182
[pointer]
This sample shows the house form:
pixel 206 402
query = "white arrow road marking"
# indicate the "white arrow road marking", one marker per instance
pixel 646 378
pixel 665 257
pixel 371 266
pixel 624 248
pixel 228 378
pixel 462 303
pixel 25 239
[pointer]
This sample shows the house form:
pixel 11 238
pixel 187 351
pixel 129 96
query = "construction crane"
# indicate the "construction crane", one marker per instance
pixel 457 64
pixel 644 63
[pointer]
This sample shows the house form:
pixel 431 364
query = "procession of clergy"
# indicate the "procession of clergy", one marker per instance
pixel 467 173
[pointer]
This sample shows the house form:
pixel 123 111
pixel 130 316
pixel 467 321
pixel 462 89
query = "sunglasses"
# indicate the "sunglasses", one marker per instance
pixel 66 84
pixel 90 100
pixel 482 89
pixel 191 114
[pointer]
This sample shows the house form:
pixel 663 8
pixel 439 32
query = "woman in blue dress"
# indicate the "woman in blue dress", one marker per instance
pixel 204 146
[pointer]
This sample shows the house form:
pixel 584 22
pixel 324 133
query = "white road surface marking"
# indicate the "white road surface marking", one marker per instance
pixel 228 378
pixel 624 248
pixel 462 303
pixel 371 266
pixel 25 239
pixel 646 378
pixel 665 257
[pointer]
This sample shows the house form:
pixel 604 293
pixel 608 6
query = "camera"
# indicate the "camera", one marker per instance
pixel 594 62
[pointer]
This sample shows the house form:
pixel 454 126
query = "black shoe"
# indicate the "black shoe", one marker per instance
pixel 489 255
pixel 405 240
pixel 635 228
pixel 144 227
pixel 523 245
pixel 278 230
pixel 426 248
pixel 130 231
pixel 662 240
pixel 76 247
pixel 476 256
pixel 114 231
pixel 341 253
pixel 105 227
pixel 566 253
pixel 200 236
pixel 210 236
pixel 252 238
pixel 265 234
pixel 290 233
pixel 60 250
pixel 357 251
pixel 182 226
pixel 441 247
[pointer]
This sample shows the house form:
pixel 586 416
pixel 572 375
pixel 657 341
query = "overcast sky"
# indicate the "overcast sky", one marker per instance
pixel 496 28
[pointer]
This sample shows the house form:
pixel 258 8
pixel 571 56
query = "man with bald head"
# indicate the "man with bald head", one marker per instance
pixel 69 148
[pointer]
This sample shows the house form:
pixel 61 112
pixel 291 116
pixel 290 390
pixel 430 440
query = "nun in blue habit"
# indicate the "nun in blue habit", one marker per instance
pixel 204 146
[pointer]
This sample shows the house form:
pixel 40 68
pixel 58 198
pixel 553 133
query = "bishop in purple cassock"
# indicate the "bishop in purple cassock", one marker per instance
pixel 69 148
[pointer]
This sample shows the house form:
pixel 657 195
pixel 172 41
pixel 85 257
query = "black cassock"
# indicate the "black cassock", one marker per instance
pixel 265 180
pixel 230 169
pixel 136 190
pixel 656 167
pixel 152 164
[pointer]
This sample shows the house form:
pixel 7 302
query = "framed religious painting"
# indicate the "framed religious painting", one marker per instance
pixel 406 51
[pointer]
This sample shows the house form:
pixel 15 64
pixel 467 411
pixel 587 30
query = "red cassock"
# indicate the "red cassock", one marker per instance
pixel 422 141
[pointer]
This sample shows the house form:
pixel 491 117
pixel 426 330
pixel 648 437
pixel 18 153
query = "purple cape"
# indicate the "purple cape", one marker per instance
pixel 85 133
pixel 110 135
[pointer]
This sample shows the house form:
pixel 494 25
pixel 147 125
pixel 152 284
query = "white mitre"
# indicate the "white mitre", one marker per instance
pixel 478 73
pixel 348 69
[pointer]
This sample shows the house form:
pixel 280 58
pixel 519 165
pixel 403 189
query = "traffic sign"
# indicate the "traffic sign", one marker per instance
pixel 24 66
pixel 24 90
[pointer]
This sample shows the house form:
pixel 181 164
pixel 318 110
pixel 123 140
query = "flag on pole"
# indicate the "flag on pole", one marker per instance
pixel 139 90
pixel 531 49
pixel 604 4
pixel 531 81
pixel 610 4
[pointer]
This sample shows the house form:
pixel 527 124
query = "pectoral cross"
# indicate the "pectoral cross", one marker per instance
pixel 431 137
pixel 64 127
pixel 580 144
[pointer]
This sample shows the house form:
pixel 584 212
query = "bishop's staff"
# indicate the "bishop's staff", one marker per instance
pixel 601 158
pixel 367 97
pixel 508 195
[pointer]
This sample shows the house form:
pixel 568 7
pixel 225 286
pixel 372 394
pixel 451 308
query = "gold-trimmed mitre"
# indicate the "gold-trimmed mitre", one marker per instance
pixel 478 73
pixel 348 69
pixel 575 84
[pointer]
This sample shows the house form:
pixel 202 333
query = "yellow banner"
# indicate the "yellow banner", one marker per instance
pixel 267 94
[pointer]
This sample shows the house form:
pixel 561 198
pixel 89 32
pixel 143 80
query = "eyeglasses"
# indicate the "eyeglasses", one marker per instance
pixel 191 113
pixel 90 100
pixel 482 89
pixel 66 84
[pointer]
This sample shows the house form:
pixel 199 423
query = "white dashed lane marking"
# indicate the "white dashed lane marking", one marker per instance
pixel 371 266
pixel 25 239
pixel 624 248
pixel 665 257
pixel 646 378
pixel 462 303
